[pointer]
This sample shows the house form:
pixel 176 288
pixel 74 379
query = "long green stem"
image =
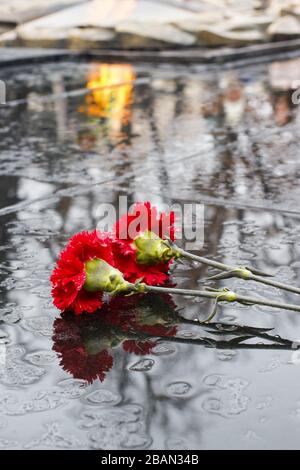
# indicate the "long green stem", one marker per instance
pixel 208 262
pixel 234 271
pixel 227 296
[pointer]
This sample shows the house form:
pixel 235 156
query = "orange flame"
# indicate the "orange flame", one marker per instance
pixel 111 94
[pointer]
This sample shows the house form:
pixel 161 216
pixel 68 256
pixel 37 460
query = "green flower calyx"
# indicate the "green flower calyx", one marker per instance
pixel 227 295
pixel 151 249
pixel 102 277
pixel 243 273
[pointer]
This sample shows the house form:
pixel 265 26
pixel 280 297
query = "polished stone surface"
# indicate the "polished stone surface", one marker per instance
pixel 228 139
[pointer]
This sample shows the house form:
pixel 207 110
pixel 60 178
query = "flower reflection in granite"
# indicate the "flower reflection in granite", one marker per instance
pixel 85 344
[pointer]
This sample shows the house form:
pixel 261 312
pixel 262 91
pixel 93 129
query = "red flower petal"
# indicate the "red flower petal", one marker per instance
pixel 68 277
pixel 146 217
pixel 86 302
pixel 74 357
pixel 153 275
pixel 123 248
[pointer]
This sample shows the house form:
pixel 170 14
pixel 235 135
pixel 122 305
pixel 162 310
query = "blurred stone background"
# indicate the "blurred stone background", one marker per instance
pixel 138 24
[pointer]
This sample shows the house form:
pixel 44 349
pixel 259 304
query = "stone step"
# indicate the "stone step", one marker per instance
pixel 137 24
pixel 138 35
pixel 284 27
pixel 19 11
pixel 108 14
pixel 146 24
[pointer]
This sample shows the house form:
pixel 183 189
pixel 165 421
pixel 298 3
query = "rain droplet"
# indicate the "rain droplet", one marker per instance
pixel 71 388
pixel 226 355
pixel 163 350
pixel 213 405
pixel 70 384
pixel 178 388
pixel 237 384
pixel 103 396
pixel 213 380
pixel 265 402
pixel 41 358
pixel 186 334
pixel 142 366
pixel 137 440
pixel 41 325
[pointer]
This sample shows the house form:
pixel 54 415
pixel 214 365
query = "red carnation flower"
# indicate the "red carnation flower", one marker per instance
pixel 74 341
pixel 85 343
pixel 143 218
pixel 69 276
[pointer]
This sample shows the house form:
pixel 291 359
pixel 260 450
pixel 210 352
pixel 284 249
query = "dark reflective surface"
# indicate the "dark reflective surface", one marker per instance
pixel 228 139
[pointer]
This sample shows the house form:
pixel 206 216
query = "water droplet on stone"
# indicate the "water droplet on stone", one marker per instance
pixel 213 380
pixel 212 405
pixel 103 396
pixel 137 440
pixel 70 388
pixel 41 325
pixel 264 402
pixel 143 365
pixel 226 355
pixel 41 358
pixel 163 350
pixel 178 388
pixel 186 334
pixel 72 383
